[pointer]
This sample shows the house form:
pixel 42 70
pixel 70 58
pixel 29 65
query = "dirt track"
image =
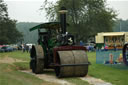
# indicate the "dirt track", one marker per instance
pixel 95 81
pixel 50 78
pixel 54 79
pixel 9 60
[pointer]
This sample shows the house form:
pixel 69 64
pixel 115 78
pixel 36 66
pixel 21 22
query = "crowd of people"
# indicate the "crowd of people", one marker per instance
pixel 26 48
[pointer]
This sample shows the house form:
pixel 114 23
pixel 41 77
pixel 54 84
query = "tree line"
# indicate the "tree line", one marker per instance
pixel 86 17
pixel 8 32
pixel 28 37
pixel 32 37
pixel 121 26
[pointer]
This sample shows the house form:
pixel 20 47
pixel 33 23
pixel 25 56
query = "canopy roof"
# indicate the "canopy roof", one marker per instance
pixel 114 34
pixel 49 25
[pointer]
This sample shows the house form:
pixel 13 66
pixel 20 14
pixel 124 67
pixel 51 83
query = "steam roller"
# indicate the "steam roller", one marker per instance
pixel 57 50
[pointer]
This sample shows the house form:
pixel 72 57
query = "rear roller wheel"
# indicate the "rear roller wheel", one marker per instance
pixel 37 59
pixel 73 63
pixel 125 54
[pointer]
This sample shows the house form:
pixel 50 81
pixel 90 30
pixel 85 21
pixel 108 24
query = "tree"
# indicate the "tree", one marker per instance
pixel 121 26
pixel 86 17
pixel 8 32
pixel 28 37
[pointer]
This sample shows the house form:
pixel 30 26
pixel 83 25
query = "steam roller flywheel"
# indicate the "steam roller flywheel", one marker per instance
pixel 72 63
pixel 37 59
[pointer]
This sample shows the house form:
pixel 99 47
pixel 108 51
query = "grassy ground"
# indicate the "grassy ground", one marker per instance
pixel 9 74
pixel 107 73
pixel 76 81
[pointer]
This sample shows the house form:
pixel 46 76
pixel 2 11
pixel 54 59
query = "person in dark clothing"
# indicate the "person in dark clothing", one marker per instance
pixel 81 43
pixel 24 47
pixel 115 47
pixel 27 48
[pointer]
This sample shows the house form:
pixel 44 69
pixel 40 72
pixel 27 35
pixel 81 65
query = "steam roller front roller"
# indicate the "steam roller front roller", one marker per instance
pixel 72 63
pixel 37 59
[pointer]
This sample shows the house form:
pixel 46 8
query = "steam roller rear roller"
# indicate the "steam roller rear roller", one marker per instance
pixel 72 63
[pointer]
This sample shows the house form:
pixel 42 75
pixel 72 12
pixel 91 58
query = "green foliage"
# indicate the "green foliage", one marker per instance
pixel 86 17
pixel 8 32
pixel 28 37
pixel 121 25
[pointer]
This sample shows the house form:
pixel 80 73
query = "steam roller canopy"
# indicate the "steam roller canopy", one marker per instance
pixel 72 63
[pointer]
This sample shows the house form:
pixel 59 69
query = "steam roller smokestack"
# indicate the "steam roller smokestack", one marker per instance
pixel 63 19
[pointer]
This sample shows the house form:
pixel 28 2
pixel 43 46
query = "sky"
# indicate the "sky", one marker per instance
pixel 28 10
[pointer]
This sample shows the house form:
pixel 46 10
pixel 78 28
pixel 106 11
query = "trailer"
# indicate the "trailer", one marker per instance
pixel 111 39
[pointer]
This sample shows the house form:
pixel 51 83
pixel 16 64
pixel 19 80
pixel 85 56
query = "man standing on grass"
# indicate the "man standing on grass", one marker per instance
pixel 23 47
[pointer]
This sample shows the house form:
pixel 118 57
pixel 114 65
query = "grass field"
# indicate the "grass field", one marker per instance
pixel 9 74
pixel 107 73
pixel 16 54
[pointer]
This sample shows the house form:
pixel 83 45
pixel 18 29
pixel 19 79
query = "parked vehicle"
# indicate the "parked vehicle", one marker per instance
pixel 15 47
pixel 1 50
pixel 1 45
pixel 7 49
pixel 10 49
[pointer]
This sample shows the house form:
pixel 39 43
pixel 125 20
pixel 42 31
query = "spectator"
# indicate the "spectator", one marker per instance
pixel 90 48
pixel 106 48
pixel 114 47
pixel 102 49
pixel 23 47
pixel 94 46
pixel 81 43
pixel 27 48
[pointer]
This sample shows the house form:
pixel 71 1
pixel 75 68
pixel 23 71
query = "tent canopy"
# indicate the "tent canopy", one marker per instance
pixel 114 34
